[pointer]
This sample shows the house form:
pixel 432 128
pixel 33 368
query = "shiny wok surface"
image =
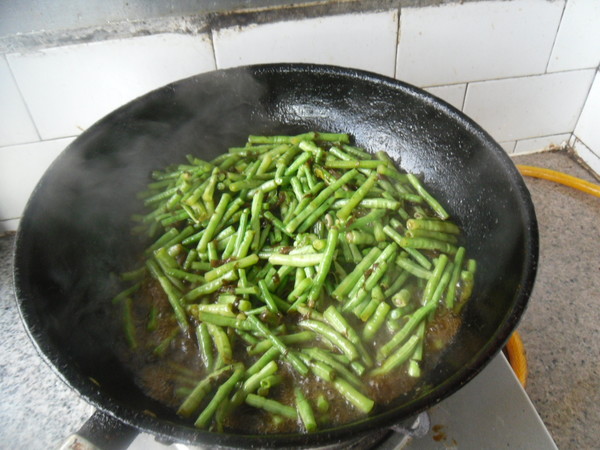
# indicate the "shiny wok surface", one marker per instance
pixel 75 233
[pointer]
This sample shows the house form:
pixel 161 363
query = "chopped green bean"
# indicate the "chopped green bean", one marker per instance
pixel 128 324
pixel 205 345
pixel 305 411
pixel 324 265
pixel 161 348
pixel 351 280
pixel 126 293
pixel 323 195
pixel 302 253
pixel 399 337
pixel 359 400
pixel 222 342
pixel 232 265
pixel 220 396
pixel 332 336
pixel 432 225
pixel 310 259
pixel 435 205
pixel 428 244
pixel 195 397
pixel 293 359
pixel 272 406
pixel 397 358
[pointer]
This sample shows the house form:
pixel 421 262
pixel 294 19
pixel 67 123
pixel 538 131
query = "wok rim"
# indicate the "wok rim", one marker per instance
pixel 93 394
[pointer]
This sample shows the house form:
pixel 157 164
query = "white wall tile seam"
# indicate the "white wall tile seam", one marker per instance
pixel 464 99
pixel 560 21
pixel 14 78
pixel 577 138
pixel 398 34
pixel 9 226
pixel 578 142
pixel 41 141
pixel 549 142
pixel 481 80
pixel 557 133
pixel 529 152
pixel 511 151
pixel 27 143
pixel 517 77
pixel 587 96
pixel 211 37
pixel 460 83
pixel 541 136
pixel 215 49
pixel 589 157
pixel 572 140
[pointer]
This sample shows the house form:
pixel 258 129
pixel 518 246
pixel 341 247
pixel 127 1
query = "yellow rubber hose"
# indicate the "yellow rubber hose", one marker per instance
pixel 562 178
pixel 515 351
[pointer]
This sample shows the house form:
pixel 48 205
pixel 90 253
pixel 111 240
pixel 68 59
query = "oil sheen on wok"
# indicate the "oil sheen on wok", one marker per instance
pixel 292 284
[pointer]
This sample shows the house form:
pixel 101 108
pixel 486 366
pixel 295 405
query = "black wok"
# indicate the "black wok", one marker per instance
pixel 75 233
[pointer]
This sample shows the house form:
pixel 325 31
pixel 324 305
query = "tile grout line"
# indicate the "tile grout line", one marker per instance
pixel 399 15
pixel 595 79
pixel 572 140
pixel 22 97
pixel 514 77
pixel 514 147
pixel 211 36
pixel 545 136
pixel 562 15
pixel 41 141
pixel 464 99
pixel 586 145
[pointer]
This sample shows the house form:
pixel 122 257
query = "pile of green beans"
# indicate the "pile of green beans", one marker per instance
pixel 299 251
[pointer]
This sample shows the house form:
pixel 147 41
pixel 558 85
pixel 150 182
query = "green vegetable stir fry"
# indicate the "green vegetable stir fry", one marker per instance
pixel 304 270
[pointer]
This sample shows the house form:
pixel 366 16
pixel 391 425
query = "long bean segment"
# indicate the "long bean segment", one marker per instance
pixel 287 261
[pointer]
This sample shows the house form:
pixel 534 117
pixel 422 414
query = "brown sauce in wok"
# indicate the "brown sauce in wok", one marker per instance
pixel 170 376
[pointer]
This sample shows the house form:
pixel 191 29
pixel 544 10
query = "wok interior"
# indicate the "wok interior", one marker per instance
pixel 75 235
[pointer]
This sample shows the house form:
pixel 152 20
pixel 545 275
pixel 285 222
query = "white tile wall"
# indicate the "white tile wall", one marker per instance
pixel 589 157
pixel 528 107
pixel 476 41
pixel 508 146
pixel 362 41
pixel 588 126
pixel 577 43
pixel 522 69
pixel 9 225
pixel 21 167
pixel 454 94
pixel 541 143
pixel 69 88
pixel 15 123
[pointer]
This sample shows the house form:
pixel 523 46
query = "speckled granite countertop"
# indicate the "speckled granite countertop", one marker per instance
pixel 560 328
pixel 560 331
pixel 38 409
